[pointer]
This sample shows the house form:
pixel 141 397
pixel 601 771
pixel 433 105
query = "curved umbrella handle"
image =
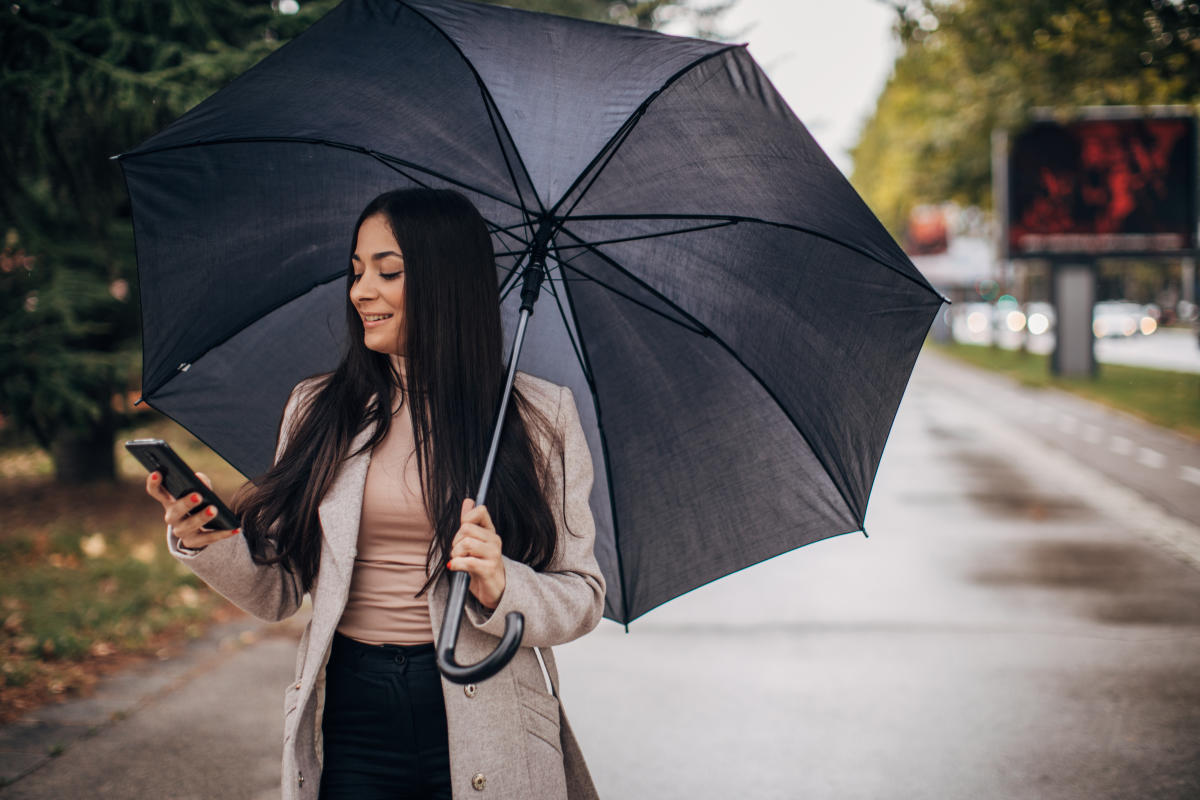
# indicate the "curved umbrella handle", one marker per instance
pixel 514 629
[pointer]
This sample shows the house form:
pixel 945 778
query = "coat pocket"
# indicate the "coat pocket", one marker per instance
pixel 540 716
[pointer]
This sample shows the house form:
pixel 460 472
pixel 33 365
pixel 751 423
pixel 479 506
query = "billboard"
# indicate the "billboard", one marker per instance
pixel 1115 183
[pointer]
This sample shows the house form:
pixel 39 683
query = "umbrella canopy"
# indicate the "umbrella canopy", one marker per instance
pixel 735 324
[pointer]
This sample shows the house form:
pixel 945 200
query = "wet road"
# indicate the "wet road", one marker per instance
pixel 1158 464
pixel 1019 624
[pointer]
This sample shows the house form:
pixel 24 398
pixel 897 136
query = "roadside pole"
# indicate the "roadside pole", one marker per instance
pixel 1188 280
pixel 1073 292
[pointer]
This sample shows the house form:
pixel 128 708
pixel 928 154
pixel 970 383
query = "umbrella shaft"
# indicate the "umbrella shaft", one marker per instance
pixel 508 382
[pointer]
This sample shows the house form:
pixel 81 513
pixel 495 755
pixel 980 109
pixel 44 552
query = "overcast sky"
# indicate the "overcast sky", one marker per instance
pixel 828 58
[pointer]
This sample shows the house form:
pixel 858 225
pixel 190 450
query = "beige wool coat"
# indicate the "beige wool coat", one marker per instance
pixel 508 736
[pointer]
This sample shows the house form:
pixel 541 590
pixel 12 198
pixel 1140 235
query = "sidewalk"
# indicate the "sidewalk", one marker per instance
pixel 89 747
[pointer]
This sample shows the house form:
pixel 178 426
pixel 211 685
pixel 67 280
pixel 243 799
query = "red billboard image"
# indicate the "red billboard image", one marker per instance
pixel 1098 187
pixel 927 233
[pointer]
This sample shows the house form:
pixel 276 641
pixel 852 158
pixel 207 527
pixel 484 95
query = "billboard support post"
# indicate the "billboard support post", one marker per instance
pixel 1188 279
pixel 1073 292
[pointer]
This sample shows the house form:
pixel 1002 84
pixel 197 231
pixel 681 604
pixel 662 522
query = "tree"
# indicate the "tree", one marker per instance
pixel 77 87
pixel 972 66
pixel 78 84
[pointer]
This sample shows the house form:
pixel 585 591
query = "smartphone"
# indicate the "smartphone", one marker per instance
pixel 179 479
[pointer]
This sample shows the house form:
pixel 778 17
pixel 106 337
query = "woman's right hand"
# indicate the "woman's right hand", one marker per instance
pixel 188 530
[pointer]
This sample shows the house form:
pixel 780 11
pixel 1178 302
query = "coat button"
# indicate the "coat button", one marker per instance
pixel 478 782
pixel 297 686
pixel 470 689
pixel 301 781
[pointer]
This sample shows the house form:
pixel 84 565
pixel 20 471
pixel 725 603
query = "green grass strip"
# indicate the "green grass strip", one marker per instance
pixel 1166 398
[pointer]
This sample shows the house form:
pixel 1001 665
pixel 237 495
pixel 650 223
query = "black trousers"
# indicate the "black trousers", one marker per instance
pixel 384 726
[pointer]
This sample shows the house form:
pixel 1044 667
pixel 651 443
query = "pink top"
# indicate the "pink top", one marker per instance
pixel 393 541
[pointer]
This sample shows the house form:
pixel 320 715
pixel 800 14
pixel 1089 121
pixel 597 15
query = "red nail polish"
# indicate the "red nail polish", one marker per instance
pixel 154 478
pixel 212 512
pixel 195 498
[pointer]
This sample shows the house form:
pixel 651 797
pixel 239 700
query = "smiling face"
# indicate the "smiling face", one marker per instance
pixel 377 291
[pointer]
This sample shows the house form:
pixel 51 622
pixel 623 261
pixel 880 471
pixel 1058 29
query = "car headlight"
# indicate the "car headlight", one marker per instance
pixel 1149 325
pixel 1015 321
pixel 1039 323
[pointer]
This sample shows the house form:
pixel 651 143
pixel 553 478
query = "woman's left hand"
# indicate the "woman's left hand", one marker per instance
pixel 476 551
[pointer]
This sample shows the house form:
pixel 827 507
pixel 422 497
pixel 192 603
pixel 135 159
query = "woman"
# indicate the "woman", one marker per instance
pixel 368 506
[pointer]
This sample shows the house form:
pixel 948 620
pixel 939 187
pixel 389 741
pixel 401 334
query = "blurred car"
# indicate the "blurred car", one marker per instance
pixel 1120 318
pixel 1008 323
pixel 1039 318
pixel 972 324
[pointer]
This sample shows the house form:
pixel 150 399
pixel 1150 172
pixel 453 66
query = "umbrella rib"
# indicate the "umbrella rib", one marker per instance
pixel 489 100
pixel 509 233
pixel 510 228
pixel 721 224
pixel 146 393
pixel 785 225
pixel 712 335
pixel 574 344
pixel 354 148
pixel 700 327
pixel 507 286
pixel 487 104
pixel 395 168
pixel 510 280
pixel 630 298
pixel 386 160
pixel 606 153
pixel 581 353
pixel 504 289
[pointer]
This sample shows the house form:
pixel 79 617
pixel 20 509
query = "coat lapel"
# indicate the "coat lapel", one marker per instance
pixel 341 510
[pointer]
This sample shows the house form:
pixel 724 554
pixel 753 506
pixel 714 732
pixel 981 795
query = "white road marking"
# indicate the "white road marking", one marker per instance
pixel 1121 446
pixel 1190 474
pixel 1151 458
pixel 1066 423
pixel 1092 434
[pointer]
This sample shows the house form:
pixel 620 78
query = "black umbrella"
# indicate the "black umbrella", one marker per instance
pixel 736 325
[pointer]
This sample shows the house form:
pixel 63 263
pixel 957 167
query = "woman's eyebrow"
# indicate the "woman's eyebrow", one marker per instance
pixel 377 256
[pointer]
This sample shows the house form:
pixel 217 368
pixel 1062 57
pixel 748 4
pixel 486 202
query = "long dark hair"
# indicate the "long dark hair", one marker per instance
pixel 452 383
